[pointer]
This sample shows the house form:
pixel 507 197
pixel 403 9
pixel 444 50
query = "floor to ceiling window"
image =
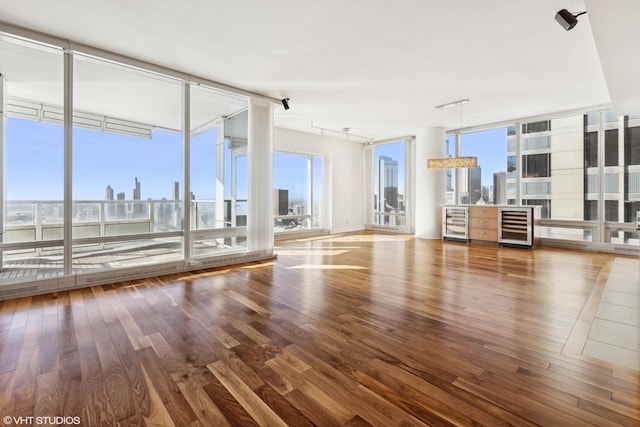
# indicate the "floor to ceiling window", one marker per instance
pixel 389 177
pixel 317 176
pixel 99 182
pixel 32 159
pixel 486 183
pixel 583 170
pixel 628 204
pixel 237 193
pixel 511 190
pixel 218 174
pixel 450 180
pixel 127 166
pixel 631 143
pixel 297 191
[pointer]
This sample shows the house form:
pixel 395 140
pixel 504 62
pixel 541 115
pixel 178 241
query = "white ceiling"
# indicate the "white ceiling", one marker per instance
pixel 617 36
pixel 376 67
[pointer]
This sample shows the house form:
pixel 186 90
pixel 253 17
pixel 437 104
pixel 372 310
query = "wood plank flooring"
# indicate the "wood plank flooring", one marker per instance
pixel 360 329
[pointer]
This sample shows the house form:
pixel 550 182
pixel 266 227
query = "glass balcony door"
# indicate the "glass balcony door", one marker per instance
pixel 389 174
pixel 239 189
pixel 218 172
pixel 127 167
pixel 297 191
pixel 95 170
pixel 32 161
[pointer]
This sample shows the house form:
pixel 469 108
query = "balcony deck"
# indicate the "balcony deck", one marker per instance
pixel 18 268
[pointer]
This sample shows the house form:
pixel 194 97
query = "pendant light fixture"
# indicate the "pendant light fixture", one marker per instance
pixel 453 162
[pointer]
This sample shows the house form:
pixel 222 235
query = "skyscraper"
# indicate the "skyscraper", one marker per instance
pixel 475 185
pixel 136 190
pixel 176 190
pixel 500 188
pixel 470 185
pixel 388 179
pixel 137 207
pixel 110 207
pixel 387 190
pixel 108 193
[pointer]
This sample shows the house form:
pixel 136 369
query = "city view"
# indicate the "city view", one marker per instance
pixel 485 184
pixel 34 194
pixel 389 184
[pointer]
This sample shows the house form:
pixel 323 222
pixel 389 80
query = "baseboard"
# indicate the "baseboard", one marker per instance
pixel 77 281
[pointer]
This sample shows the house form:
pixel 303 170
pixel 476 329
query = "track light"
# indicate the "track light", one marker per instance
pixel 285 103
pixel 567 19
pixel 452 104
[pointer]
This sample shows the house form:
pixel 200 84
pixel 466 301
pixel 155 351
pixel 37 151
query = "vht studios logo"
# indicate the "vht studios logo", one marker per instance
pixel 60 421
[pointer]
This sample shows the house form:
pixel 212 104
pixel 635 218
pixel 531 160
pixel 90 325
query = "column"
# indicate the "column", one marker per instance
pixel 260 179
pixel 430 183
pixel 187 243
pixel 68 165
pixel 219 205
pixel 3 193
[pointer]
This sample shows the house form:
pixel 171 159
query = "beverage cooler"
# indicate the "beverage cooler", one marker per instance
pixel 455 223
pixel 516 226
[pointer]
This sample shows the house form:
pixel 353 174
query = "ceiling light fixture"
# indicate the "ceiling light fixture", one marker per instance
pixel 345 131
pixel 452 104
pixel 452 162
pixel 566 19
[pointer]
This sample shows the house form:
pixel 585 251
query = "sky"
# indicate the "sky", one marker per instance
pixel 34 166
pixel 35 157
pixel 490 146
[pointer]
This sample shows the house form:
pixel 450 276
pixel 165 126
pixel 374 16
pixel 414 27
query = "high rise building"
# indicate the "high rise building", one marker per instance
pixel 280 202
pixel 137 207
pixel 108 193
pixel 499 188
pixel 475 185
pixel 136 190
pixel 387 191
pixel 110 207
pixel 579 167
pixel 176 191
pixel 387 183
pixel 470 185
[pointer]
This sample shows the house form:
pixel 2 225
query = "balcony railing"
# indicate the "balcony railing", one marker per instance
pixel 615 233
pixel 36 223
pixel 29 221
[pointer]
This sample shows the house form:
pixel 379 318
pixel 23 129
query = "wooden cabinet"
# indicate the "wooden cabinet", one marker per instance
pixel 505 225
pixel 483 223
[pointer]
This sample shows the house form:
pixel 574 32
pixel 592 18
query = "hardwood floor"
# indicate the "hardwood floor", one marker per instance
pixel 354 330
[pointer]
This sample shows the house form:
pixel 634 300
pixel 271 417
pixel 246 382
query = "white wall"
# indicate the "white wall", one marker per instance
pixel 343 188
pixel 430 183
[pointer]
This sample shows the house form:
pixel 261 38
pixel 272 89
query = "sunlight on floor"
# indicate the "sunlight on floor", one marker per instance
pixel 326 267
pixel 259 265
pixel 374 238
pixel 311 251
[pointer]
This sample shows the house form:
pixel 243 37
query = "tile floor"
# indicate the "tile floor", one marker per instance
pixel 615 331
